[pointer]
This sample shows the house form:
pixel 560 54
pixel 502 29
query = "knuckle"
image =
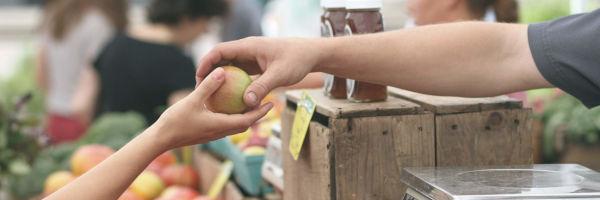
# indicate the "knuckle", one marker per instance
pixel 261 86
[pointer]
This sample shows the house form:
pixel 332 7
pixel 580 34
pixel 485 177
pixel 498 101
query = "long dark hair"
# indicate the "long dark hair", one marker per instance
pixel 506 10
pixel 60 16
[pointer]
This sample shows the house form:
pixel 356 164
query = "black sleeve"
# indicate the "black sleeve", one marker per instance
pixel 567 53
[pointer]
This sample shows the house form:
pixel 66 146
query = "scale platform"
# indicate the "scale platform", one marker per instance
pixel 544 181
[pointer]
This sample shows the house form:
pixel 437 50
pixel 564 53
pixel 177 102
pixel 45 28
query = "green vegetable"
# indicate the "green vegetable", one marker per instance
pixel 115 129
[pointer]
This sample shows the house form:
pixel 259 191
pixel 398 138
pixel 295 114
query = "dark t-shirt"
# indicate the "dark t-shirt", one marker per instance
pixel 140 76
pixel 567 53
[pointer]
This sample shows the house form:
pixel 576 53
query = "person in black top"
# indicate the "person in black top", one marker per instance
pixel 145 69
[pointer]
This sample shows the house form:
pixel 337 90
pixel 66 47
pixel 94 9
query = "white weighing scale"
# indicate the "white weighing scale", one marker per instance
pixel 530 182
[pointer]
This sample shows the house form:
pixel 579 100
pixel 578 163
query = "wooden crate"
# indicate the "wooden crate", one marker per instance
pixel 356 151
pixel 477 131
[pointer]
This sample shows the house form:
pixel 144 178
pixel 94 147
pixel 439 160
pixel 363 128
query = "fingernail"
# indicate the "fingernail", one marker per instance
pixel 218 74
pixel 252 97
pixel 269 104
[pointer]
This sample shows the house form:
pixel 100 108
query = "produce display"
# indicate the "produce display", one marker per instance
pixel 164 179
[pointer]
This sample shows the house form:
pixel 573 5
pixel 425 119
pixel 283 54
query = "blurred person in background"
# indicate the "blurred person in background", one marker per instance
pixel 73 33
pixel 145 69
pixel 426 12
pixel 242 21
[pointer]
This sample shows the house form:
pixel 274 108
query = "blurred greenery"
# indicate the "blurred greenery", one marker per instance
pixel 567 117
pixel 532 11
pixel 24 165
pixel 111 129
pixel 20 84
pixel 21 113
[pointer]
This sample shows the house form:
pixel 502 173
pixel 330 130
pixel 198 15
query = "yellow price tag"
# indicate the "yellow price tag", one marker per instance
pixel 304 111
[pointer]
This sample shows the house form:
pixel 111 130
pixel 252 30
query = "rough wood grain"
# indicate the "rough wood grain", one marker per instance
pixel 371 152
pixel 309 177
pixel 342 108
pixel 446 104
pixel 497 137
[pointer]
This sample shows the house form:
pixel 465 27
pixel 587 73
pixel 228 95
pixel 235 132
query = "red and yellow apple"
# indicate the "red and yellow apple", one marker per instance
pixel 178 193
pixel 181 175
pixel 86 157
pixel 162 161
pixel 229 98
pixel 56 181
pixel 147 185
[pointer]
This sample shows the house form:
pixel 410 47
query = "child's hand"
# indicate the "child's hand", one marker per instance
pixel 189 122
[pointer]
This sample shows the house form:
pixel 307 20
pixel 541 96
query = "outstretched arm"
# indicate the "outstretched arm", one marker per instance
pixel 460 59
pixel 472 59
pixel 187 122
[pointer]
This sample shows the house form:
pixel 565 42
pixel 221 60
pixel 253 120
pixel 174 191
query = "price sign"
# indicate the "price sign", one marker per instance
pixel 304 111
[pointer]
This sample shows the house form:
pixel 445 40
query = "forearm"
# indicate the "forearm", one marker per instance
pixel 111 177
pixel 461 59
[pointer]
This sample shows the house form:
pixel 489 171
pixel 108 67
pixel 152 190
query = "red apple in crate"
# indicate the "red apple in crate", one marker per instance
pixel 159 163
pixel 178 193
pixel 255 140
pixel 129 195
pixel 182 175
pixel 86 157
pixel 56 181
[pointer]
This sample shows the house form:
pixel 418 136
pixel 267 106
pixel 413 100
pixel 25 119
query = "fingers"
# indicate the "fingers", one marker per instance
pixel 209 85
pixel 260 87
pixel 223 53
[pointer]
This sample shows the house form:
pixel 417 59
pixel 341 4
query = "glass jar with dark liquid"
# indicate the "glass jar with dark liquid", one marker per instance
pixel 333 22
pixel 364 17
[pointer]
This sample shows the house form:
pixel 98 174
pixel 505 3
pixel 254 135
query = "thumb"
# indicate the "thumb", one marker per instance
pixel 210 84
pixel 260 87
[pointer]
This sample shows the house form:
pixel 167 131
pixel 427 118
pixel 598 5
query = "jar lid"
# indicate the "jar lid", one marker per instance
pixel 363 4
pixel 333 3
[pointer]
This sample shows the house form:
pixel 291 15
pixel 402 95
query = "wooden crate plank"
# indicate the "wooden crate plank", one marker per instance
pixel 342 108
pixel 497 137
pixel 447 104
pixel 308 177
pixel 371 153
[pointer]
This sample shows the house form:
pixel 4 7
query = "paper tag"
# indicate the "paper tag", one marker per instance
pixel 220 180
pixel 304 111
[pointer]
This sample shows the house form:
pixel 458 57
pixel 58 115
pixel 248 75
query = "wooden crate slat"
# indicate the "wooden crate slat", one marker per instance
pixel 342 108
pixel 447 104
pixel 309 176
pixel 499 137
pixel 370 155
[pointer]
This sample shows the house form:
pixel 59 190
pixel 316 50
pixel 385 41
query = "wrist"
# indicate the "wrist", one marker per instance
pixel 157 137
pixel 325 54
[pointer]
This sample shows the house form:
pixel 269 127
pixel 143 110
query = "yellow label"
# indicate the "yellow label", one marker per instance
pixel 304 111
pixel 221 180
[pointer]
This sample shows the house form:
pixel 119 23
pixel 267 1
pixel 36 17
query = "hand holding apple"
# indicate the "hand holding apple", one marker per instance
pixel 189 121
pixel 280 61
